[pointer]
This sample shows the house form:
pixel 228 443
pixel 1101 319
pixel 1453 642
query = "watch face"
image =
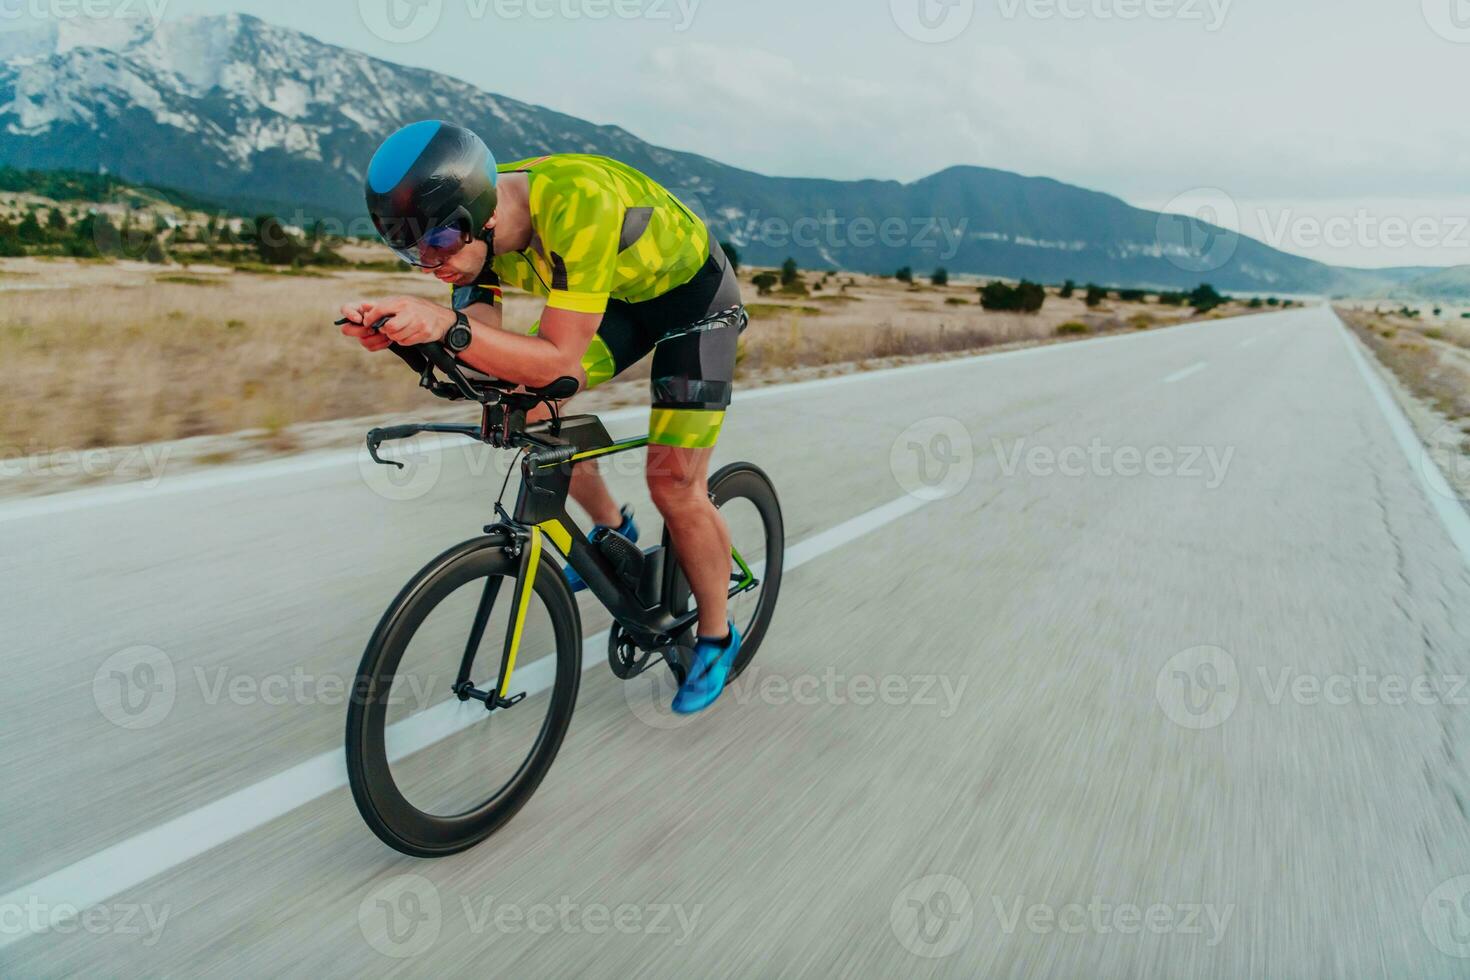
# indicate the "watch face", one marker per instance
pixel 459 337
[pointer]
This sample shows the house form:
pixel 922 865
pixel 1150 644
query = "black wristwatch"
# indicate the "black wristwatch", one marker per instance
pixel 458 338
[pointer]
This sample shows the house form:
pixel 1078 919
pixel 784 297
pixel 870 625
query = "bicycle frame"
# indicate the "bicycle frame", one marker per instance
pixel 553 447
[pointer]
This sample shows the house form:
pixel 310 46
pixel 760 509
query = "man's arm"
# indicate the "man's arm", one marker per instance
pixel 554 352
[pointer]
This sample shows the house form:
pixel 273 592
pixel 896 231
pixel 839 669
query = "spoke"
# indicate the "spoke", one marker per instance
pixel 477 628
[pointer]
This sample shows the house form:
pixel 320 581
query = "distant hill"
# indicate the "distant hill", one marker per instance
pixel 1451 284
pixel 258 117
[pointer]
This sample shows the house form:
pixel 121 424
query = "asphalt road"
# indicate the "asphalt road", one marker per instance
pixel 1136 657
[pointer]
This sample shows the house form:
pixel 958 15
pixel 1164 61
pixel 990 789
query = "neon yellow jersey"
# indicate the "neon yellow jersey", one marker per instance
pixel 601 230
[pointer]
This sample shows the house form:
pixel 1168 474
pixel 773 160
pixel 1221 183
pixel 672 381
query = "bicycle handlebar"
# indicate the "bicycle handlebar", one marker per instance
pixel 424 359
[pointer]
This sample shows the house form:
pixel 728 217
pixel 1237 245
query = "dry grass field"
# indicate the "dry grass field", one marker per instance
pixel 96 354
pixel 1431 357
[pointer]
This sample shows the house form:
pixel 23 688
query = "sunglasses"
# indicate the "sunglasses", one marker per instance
pixel 439 244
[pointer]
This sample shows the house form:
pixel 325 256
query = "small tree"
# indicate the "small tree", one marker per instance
pixel 1030 297
pixel 1069 289
pixel 940 277
pixel 275 244
pixel 906 274
pixel 1255 303
pixel 732 253
pixel 765 282
pixel 998 296
pixel 789 272
pixel 56 221
pixel 1205 298
pixel 29 230
pixel 1095 294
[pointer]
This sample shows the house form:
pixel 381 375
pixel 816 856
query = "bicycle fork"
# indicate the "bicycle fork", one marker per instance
pixel 526 544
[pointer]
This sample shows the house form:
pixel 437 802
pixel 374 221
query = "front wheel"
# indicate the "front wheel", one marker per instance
pixel 433 772
pixel 747 501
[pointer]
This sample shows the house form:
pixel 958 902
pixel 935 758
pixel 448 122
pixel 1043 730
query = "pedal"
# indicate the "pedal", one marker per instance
pixel 625 659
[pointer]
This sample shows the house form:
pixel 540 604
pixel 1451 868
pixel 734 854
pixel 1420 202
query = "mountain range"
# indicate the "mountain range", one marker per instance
pixel 261 118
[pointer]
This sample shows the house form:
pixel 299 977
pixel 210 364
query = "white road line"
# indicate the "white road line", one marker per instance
pixel 26 508
pixel 95 879
pixel 1431 478
pixel 1188 372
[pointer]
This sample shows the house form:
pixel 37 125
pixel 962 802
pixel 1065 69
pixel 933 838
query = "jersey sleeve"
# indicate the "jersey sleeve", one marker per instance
pixel 580 232
pixel 485 289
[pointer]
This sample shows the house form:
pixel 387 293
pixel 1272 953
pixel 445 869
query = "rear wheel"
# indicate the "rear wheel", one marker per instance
pixel 748 502
pixel 432 773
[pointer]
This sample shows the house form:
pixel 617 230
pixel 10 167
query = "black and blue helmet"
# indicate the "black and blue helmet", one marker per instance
pixel 430 189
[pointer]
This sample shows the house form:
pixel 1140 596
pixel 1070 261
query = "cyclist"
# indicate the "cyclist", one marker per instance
pixel 626 270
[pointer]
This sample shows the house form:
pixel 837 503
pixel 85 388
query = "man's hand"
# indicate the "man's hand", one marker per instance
pixel 413 321
pixel 361 328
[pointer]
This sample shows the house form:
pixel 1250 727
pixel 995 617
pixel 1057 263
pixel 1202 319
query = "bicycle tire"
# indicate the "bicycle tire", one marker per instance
pixel 383 805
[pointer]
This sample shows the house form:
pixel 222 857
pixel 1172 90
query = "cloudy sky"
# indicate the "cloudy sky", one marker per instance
pixel 1329 128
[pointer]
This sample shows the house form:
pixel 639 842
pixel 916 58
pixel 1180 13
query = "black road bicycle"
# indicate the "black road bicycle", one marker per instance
pixel 448 736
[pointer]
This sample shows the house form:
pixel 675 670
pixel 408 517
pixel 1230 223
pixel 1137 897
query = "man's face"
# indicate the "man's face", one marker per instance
pixel 461 268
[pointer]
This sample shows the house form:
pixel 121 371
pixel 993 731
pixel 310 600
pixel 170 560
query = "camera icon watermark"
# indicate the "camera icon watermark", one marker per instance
pixel 933 916
pixel 933 459
pixel 423 464
pixel 1450 19
pixel 1199 230
pixel 1199 688
pixel 135 688
pixel 932 21
pixel 401 21
pixel 402 917
pixel 1445 916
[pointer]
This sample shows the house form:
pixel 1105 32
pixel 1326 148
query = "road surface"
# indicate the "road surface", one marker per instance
pixel 1134 657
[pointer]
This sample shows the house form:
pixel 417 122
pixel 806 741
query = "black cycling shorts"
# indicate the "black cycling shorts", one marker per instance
pixel 692 332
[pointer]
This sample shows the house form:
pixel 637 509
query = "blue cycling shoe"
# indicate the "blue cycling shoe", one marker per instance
pixel 707 674
pixel 628 530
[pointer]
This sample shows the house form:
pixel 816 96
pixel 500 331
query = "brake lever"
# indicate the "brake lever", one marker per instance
pixel 377 437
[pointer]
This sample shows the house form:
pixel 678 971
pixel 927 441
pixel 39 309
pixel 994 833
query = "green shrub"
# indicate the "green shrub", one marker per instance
pixel 1072 328
pixel 940 276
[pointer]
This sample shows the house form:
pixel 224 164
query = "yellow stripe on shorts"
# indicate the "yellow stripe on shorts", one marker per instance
pixel 684 428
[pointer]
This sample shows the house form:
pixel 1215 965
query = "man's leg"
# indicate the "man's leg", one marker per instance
pixel 678 480
pixel 588 487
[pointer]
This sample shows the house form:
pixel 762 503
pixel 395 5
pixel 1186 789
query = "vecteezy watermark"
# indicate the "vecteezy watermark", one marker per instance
pixel 1363 687
pixel 299 687
pixel 146 464
pixel 1199 688
pixel 1362 228
pixel 933 916
pixel 932 21
pixel 149 10
pixel 403 917
pixel 933 459
pixel 1446 461
pixel 135 688
pixel 1450 19
pixel 1209 13
pixel 650 695
pixel 1445 916
pixel 1199 230
pixel 36 917
pixel 1097 459
pixel 409 21
pixel 939 234
pixel 419 465
pixel 1101 917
